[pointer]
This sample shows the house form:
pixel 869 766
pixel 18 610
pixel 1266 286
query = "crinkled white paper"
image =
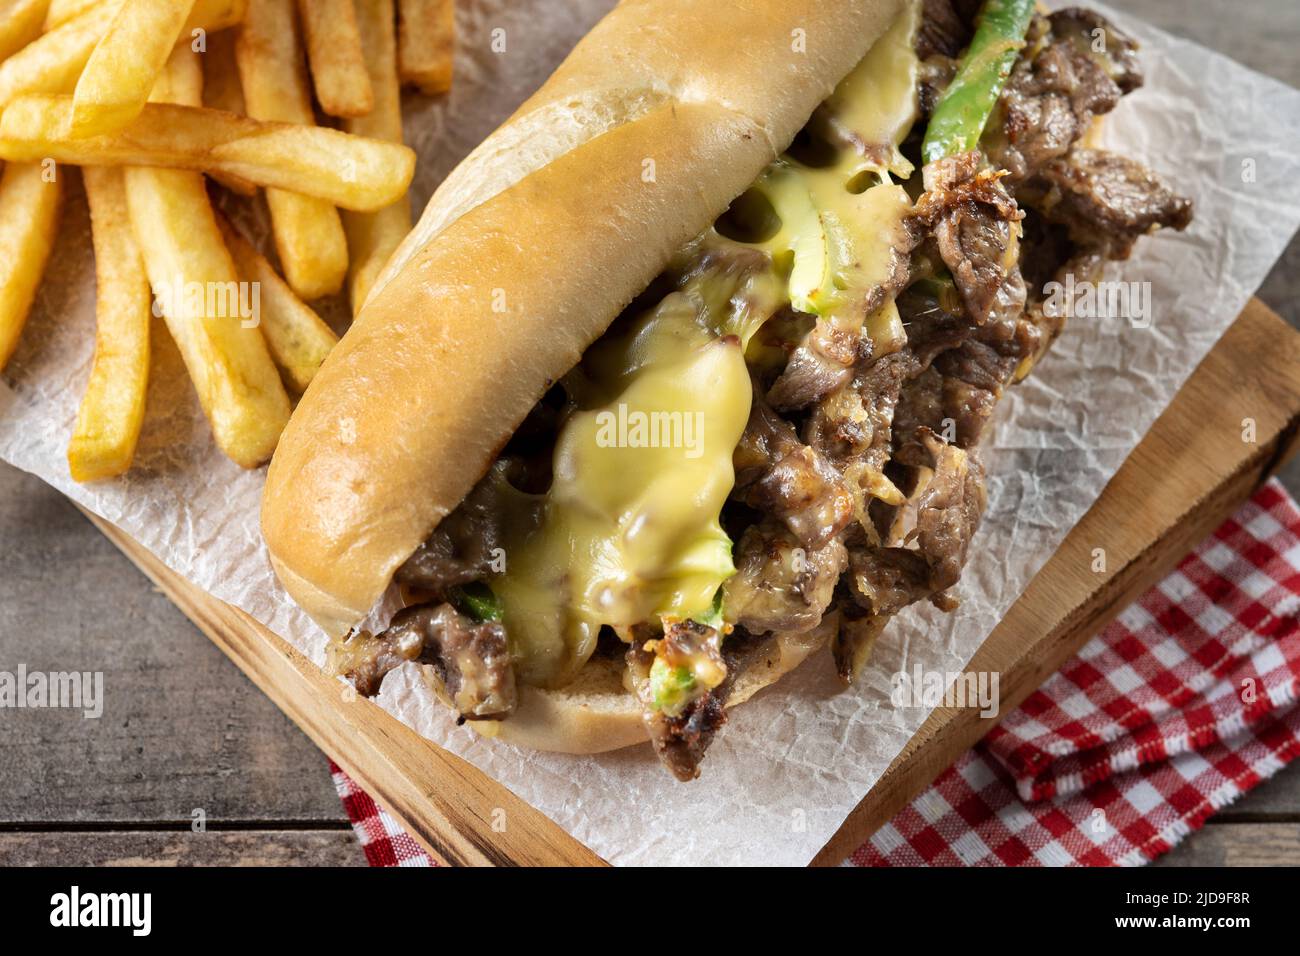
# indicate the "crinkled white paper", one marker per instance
pixel 790 764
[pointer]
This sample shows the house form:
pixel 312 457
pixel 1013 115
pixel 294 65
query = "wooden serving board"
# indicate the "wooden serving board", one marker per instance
pixel 1191 471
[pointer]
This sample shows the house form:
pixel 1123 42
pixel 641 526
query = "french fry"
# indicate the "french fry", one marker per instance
pixel 53 62
pixel 112 409
pixel 121 71
pixel 298 338
pixel 29 219
pixel 221 91
pixel 338 68
pixel 180 81
pixel 373 236
pixel 335 167
pixel 61 11
pixel 308 232
pixel 427 42
pixel 379 44
pixel 237 383
pixel 204 305
pixel 20 24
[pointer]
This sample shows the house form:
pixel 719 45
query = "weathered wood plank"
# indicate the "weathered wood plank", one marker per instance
pixel 1238 844
pixel 181 728
pixel 182 848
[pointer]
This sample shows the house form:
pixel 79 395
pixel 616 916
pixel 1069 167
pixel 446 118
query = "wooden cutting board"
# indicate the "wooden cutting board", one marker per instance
pixel 1193 468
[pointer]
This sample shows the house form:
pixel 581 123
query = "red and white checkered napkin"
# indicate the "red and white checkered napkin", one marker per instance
pixel 1183 704
pixel 382 838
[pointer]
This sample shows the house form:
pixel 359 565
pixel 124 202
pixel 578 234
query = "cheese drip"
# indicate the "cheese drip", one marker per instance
pixel 629 530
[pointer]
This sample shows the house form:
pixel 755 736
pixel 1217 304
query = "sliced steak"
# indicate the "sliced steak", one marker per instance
pixel 1108 201
pixel 943 32
pixel 679 741
pixel 883 581
pixel 1076 67
pixel 365 659
pixel 696 647
pixel 923 557
pixel 824 361
pixel 853 428
pixel 975 223
pixel 956 396
pixel 936 75
pixel 472 661
pixel 779 585
pixel 820 364
pixel 463 547
pixel 1104 43
pixel 948 510
pixel 886 580
pixel 779 475
pixel 855 423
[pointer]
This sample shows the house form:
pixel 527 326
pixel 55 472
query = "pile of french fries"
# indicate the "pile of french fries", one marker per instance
pixel 165 102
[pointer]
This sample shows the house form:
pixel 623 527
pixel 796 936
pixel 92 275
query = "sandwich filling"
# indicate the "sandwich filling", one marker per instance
pixel 785 426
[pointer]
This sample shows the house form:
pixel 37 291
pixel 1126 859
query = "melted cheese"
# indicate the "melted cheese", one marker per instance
pixel 842 244
pixel 630 529
pixel 876 105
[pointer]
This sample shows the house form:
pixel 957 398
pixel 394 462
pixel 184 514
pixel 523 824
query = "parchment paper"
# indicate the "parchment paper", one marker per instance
pixel 792 763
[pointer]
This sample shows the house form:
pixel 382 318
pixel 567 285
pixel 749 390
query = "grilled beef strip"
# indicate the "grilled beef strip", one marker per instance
pixel 1075 67
pixel 956 394
pixel 852 427
pixel 853 424
pixel 944 32
pixel 820 364
pixel 780 585
pixel 923 554
pixel 777 474
pixel 975 224
pixel 947 506
pixel 462 548
pixel 826 358
pixel 1106 201
pixel 680 740
pixel 471 660
pixel 946 381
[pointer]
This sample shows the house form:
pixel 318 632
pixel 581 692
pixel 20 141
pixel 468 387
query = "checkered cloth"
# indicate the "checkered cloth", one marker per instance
pixel 382 838
pixel 1187 701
